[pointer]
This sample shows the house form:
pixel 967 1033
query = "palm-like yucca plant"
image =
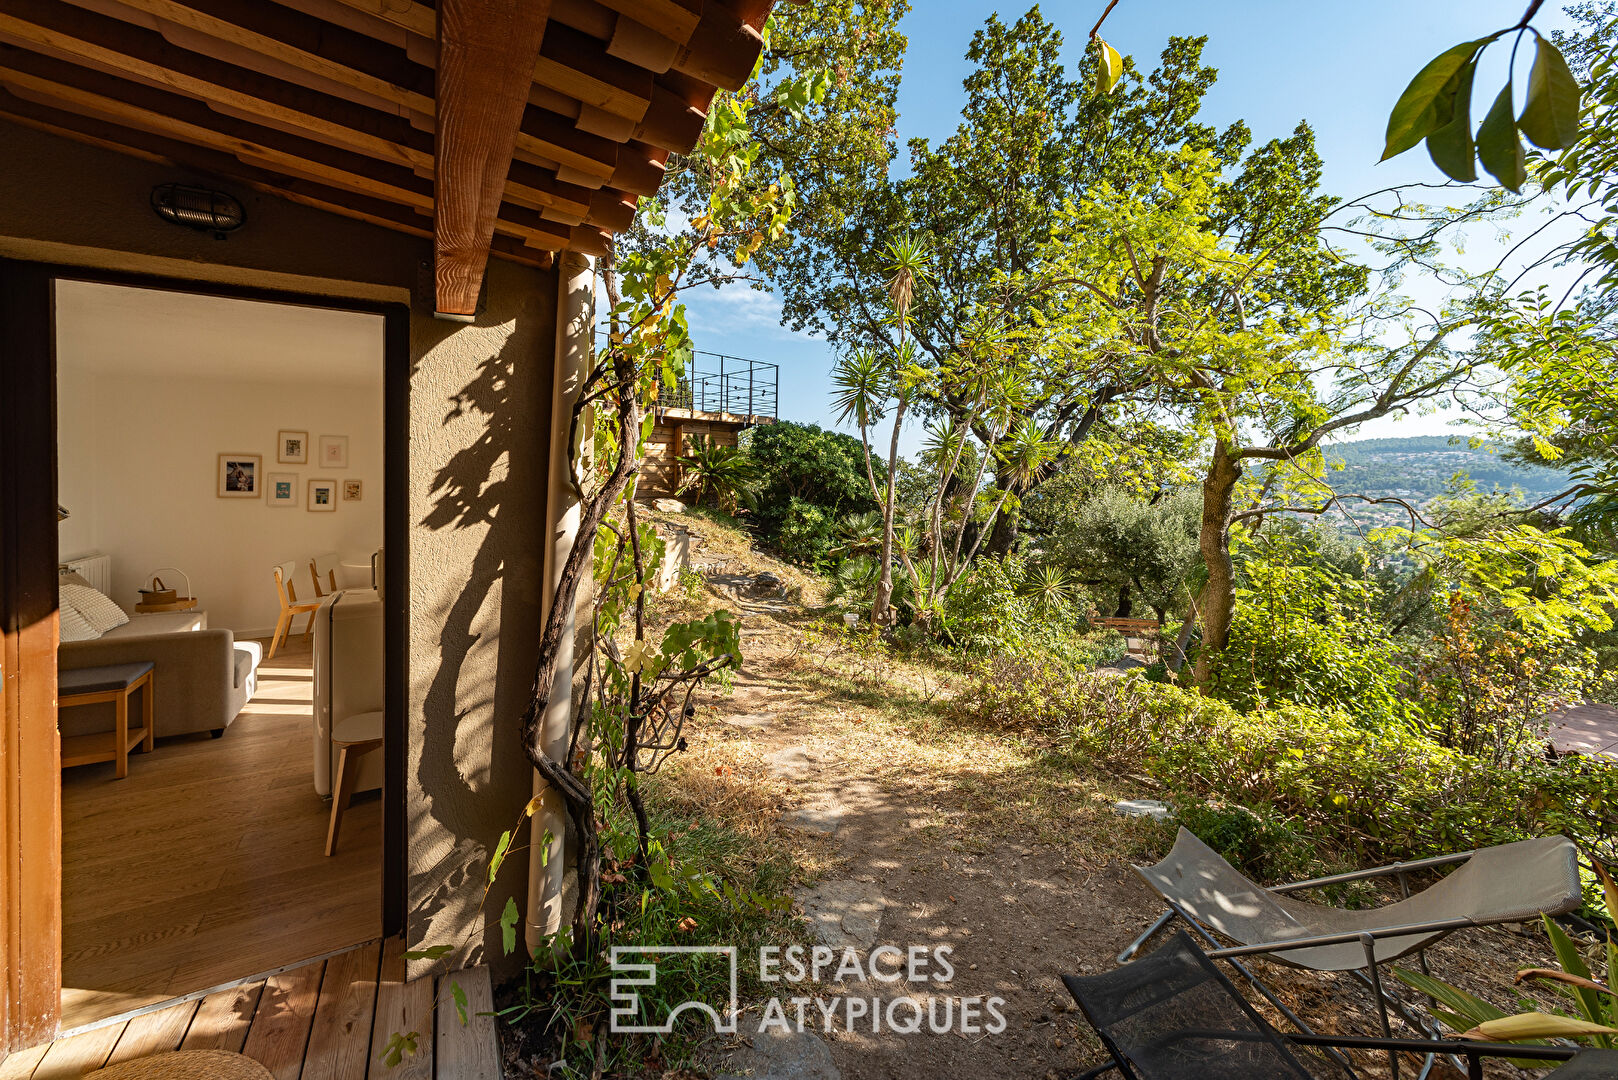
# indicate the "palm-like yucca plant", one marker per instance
pixel 1051 589
pixel 859 534
pixel 729 473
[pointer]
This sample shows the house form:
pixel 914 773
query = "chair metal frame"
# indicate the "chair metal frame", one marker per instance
pixel 1370 976
pixel 1473 1051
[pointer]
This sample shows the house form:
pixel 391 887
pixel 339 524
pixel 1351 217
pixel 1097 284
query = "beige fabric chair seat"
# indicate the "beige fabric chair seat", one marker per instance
pixel 348 679
pixel 1509 883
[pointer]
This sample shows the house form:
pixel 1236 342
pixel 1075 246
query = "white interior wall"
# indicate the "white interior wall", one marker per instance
pixel 75 472
pixel 146 406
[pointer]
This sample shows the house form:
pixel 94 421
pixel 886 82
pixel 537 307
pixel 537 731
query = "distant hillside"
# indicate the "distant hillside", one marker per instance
pixel 1419 468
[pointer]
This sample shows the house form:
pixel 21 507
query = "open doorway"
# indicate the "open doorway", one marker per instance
pixel 220 481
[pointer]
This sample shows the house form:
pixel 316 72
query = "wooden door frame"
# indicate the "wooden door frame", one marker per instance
pixel 30 751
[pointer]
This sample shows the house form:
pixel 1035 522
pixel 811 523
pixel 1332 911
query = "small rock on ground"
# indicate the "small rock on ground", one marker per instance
pixel 783 1055
pixel 791 761
pixel 844 914
pixel 815 819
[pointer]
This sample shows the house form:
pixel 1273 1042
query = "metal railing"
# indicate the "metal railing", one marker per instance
pixel 715 383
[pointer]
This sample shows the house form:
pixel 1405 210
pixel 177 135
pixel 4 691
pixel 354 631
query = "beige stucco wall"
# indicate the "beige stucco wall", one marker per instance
pixel 479 432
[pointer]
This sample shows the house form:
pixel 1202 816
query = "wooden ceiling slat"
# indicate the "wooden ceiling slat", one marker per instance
pixel 722 50
pixel 578 65
pixel 405 85
pixel 674 19
pixel 154 124
pixel 344 104
pixel 553 137
pixel 486 50
pixel 109 46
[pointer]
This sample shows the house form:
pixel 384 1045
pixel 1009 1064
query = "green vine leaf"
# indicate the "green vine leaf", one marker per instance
pixel 1550 116
pixel 1428 103
pixel 1109 67
pixel 431 952
pixel 459 995
pixel 1498 146
pixel 400 1046
pixel 508 926
pixel 1451 146
pixel 499 855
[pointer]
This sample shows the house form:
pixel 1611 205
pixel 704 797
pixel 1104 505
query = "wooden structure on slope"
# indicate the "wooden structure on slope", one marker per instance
pixel 717 398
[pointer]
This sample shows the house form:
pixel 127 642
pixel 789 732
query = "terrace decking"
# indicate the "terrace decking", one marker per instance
pixel 329 1019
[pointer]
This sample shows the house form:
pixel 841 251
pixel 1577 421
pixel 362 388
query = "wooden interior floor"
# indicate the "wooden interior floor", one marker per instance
pixel 327 1020
pixel 207 863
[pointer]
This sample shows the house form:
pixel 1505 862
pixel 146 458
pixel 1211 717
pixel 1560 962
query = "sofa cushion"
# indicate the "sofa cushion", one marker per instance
pixel 161 622
pixel 96 607
pixel 253 651
pixel 75 627
pixel 246 674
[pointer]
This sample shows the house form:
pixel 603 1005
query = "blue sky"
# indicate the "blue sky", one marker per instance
pixel 1339 66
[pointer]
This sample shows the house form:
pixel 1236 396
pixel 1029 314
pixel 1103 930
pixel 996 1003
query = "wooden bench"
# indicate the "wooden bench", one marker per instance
pixel 1135 627
pixel 114 683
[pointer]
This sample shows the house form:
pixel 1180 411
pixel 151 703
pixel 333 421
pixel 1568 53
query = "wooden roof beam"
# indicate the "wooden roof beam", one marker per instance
pixel 486 52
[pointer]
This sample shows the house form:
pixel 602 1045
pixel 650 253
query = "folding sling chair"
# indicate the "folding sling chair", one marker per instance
pixel 1510 883
pixel 1173 1015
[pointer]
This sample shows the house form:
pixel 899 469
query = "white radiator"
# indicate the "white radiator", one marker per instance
pixel 95 568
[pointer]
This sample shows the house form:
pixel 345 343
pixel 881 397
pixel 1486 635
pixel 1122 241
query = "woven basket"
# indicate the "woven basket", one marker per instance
pixel 186 1065
pixel 158 593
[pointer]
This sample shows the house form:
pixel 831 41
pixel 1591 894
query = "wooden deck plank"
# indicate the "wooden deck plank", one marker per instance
pixel 154 1033
pixel 71 1058
pixel 20 1064
pixel 286 1010
pixel 402 1007
pixel 340 1038
pixel 467 1051
pixel 222 1019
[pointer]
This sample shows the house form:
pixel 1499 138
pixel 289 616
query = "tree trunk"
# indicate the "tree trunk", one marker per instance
pixel 1123 601
pixel 882 613
pixel 1176 659
pixel 1007 527
pixel 1219 595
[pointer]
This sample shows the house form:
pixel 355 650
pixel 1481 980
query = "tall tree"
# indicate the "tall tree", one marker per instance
pixel 1258 341
pixel 1033 137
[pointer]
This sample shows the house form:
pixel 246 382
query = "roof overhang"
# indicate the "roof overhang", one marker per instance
pixel 515 128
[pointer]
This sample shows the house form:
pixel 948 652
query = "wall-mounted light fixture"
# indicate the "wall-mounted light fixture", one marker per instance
pixel 198 208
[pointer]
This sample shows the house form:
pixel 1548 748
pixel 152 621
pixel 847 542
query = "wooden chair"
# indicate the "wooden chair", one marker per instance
pixel 290 606
pixel 323 568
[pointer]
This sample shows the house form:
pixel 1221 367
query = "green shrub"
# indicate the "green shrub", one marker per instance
pixel 1369 794
pixel 999 607
pixel 803 465
pixel 803 533
pixel 1305 633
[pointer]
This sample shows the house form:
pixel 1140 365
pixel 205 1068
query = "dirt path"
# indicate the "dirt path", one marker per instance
pixel 913 832
pixel 1015 913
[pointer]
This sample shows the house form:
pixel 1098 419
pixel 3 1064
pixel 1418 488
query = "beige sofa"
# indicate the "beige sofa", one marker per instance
pixel 204 677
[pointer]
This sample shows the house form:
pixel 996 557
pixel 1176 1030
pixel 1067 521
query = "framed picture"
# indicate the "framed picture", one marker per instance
pixel 282 489
pixel 334 451
pixel 322 495
pixel 353 490
pixel 292 447
pixel 239 476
